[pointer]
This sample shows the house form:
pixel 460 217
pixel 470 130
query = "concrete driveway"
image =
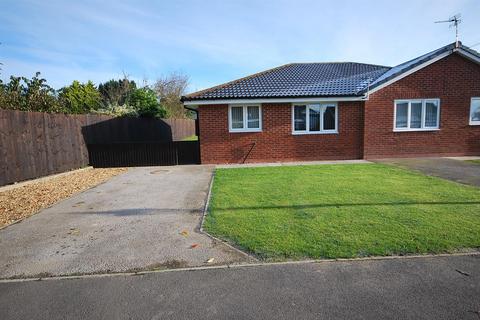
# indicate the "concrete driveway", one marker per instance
pixel 147 218
pixel 446 168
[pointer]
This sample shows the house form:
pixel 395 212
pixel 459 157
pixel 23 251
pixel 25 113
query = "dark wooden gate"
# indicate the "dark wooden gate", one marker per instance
pixel 131 154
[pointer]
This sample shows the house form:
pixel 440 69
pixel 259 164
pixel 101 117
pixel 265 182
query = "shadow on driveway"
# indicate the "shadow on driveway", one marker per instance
pixel 138 212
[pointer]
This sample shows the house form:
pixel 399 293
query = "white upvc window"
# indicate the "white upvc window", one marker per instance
pixel 244 118
pixel 416 115
pixel 314 118
pixel 475 112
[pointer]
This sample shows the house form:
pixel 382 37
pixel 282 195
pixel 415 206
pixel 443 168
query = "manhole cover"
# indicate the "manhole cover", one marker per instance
pixel 159 171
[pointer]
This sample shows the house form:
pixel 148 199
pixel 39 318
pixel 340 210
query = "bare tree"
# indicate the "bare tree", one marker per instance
pixel 170 89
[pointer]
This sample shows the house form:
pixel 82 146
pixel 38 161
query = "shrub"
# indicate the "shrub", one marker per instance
pixel 145 102
pixel 80 98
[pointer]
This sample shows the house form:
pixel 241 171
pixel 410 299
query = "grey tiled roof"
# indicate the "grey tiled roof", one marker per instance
pixel 297 80
pixel 401 68
pixel 335 79
pixel 406 66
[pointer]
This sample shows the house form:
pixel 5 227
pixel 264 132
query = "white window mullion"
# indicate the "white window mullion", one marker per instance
pixel 307 120
pixel 322 114
pixel 409 113
pixel 424 109
pixel 438 114
pixel 245 119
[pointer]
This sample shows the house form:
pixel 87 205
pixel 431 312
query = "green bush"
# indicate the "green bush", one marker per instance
pixel 21 93
pixel 80 98
pixel 114 97
pixel 145 102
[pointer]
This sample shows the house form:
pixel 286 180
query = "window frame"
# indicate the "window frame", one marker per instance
pixel 409 112
pixel 323 106
pixel 245 120
pixel 470 121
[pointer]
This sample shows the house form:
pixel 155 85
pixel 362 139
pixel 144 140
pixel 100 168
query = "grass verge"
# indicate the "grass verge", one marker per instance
pixel 342 211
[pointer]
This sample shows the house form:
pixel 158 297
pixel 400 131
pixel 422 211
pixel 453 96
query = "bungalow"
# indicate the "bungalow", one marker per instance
pixel 428 106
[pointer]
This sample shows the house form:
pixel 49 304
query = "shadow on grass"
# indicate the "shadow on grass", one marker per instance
pixel 155 211
pixel 340 205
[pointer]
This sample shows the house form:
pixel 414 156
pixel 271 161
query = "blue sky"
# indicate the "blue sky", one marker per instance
pixel 217 41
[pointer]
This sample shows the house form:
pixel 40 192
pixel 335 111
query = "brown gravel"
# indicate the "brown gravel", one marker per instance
pixel 24 201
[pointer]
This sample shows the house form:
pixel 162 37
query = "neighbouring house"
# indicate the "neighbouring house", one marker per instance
pixel 428 106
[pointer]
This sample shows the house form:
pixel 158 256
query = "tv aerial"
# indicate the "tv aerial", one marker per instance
pixel 454 22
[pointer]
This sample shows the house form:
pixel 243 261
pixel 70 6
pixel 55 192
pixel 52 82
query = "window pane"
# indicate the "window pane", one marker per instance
pixel 314 115
pixel 237 117
pixel 300 118
pixel 253 117
pixel 329 118
pixel 475 110
pixel 416 115
pixel 402 115
pixel 431 114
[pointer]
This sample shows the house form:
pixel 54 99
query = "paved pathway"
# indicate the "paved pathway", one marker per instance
pixel 414 288
pixel 143 219
pixel 446 168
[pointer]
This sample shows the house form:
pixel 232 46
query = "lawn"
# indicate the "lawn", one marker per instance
pixel 474 161
pixel 342 211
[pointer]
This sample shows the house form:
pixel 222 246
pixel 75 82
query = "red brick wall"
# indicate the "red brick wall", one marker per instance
pixel 454 80
pixel 276 142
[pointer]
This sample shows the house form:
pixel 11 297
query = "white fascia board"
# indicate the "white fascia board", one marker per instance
pixel 273 100
pixel 409 72
pixel 468 55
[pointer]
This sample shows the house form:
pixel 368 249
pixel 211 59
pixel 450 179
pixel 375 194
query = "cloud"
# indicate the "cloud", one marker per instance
pixel 216 41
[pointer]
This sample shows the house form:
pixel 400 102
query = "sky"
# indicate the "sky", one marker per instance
pixel 217 41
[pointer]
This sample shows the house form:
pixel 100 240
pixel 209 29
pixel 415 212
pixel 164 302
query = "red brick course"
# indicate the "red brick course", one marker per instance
pixel 365 128
pixel 276 142
pixel 455 80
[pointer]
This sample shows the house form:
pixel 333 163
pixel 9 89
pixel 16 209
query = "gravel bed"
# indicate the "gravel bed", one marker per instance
pixel 28 199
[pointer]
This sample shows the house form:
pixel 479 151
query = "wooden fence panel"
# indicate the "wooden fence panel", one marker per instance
pixel 34 144
pixel 3 146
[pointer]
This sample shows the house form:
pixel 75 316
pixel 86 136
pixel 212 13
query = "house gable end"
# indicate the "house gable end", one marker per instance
pixel 405 69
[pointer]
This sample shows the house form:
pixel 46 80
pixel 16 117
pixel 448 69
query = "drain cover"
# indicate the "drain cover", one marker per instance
pixel 159 171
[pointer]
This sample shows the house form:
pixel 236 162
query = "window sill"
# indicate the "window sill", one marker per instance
pixel 416 130
pixel 244 130
pixel 475 123
pixel 296 133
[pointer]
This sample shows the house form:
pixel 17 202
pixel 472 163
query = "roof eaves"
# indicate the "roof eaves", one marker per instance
pixel 279 97
pixel 468 53
pixel 470 50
